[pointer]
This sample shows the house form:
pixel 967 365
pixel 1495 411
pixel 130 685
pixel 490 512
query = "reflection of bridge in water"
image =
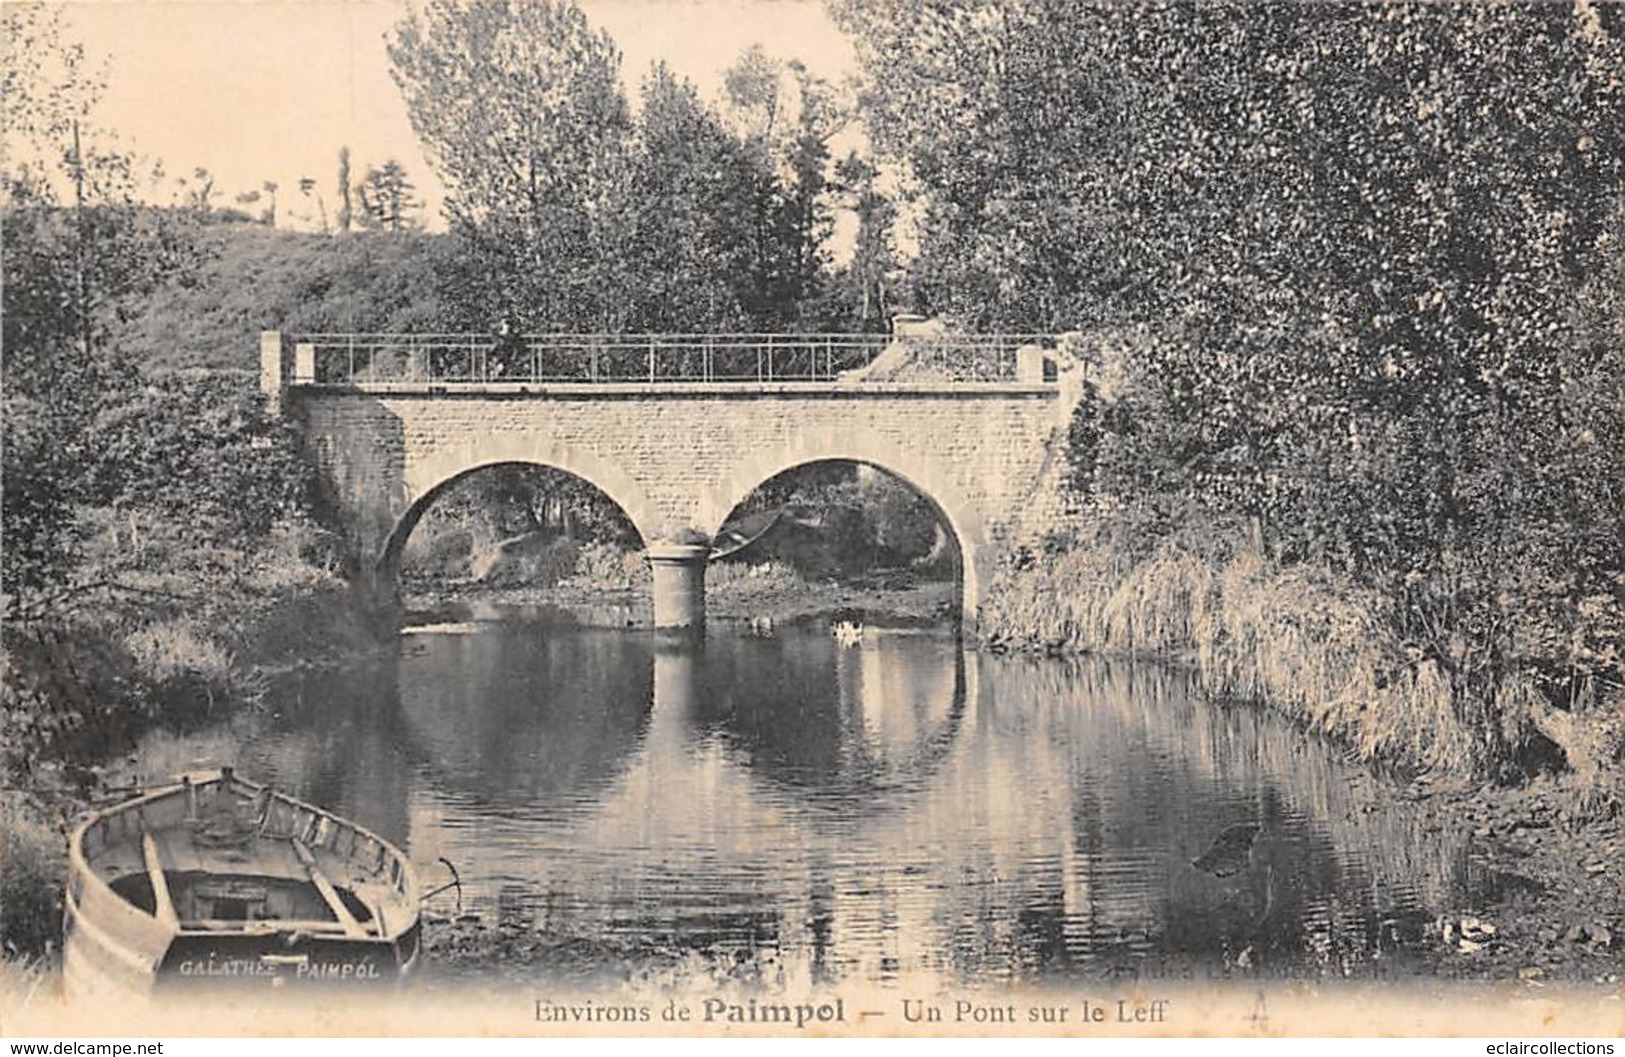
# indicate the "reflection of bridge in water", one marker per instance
pixel 557 724
pixel 721 814
pixel 901 807
pixel 678 429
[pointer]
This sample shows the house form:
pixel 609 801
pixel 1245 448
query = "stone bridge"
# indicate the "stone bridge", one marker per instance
pixel 676 454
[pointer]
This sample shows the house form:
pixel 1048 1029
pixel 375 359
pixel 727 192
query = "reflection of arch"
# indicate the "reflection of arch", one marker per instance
pixel 922 472
pixel 430 479
pixel 558 716
pixel 830 786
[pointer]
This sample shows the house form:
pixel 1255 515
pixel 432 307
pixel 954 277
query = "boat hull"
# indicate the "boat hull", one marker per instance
pixel 225 882
pixel 279 960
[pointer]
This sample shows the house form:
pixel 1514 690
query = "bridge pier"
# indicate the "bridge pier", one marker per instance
pixel 678 570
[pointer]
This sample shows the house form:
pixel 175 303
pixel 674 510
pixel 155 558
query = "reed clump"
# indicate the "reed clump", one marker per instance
pixel 1300 640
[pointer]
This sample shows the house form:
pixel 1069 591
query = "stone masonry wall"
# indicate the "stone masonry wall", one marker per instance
pixel 681 459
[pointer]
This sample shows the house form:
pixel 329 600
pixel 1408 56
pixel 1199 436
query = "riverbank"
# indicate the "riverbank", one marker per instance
pixel 1560 912
pixel 1539 793
pixel 760 595
pixel 82 689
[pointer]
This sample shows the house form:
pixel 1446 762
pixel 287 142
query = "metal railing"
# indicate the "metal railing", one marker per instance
pixel 483 359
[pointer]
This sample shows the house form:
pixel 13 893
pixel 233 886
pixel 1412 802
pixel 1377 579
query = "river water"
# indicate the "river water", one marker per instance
pixel 897 808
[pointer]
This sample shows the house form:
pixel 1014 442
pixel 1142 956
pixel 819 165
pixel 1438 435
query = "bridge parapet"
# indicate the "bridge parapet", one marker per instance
pixel 650 359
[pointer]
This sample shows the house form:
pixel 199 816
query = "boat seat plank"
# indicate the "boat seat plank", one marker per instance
pixel 352 927
pixel 163 905
pixel 177 850
pixel 282 926
pixel 376 897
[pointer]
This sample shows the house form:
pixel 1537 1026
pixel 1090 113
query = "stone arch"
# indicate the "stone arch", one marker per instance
pixel 431 477
pixel 917 469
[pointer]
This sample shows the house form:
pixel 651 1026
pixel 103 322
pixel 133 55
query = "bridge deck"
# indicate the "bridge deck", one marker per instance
pixel 684 390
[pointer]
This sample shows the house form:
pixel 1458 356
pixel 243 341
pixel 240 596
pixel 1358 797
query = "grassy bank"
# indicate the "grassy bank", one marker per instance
pixel 82 683
pixel 1304 641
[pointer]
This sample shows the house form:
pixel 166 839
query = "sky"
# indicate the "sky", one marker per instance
pixel 258 90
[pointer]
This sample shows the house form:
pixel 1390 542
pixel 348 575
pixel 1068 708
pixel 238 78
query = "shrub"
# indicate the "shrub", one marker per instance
pixel 608 567
pixel 33 867
pixel 174 649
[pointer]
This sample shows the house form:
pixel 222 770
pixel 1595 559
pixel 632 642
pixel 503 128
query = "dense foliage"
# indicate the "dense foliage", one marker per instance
pixel 1354 272
pixel 571 213
pixel 78 248
pixel 150 516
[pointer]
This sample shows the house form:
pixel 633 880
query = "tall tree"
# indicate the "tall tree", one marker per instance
pixel 346 202
pixel 387 199
pixel 786 117
pixel 78 250
pixel 868 277
pixel 520 110
pixel 690 186
pixel 805 219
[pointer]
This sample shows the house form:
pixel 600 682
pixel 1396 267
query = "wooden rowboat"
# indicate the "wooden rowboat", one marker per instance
pixel 220 880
